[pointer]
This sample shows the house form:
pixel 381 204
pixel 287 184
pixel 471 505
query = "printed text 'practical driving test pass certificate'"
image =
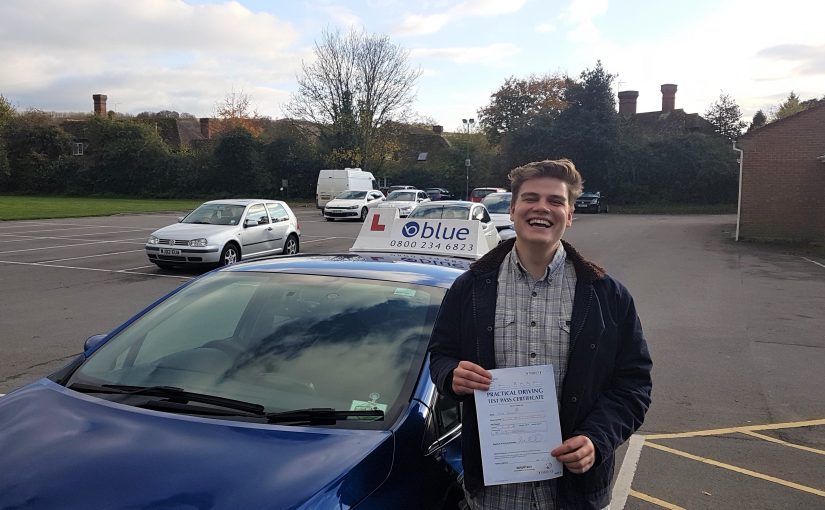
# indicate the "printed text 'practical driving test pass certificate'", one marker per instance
pixel 518 425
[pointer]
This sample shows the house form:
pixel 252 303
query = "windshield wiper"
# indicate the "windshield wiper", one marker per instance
pixel 321 416
pixel 177 395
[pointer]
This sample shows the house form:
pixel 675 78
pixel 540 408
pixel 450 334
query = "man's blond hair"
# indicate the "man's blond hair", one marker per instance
pixel 562 169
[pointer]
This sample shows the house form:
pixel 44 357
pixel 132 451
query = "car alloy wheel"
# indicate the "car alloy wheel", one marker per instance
pixel 229 255
pixel 291 245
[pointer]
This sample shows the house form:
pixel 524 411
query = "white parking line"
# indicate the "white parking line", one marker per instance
pixel 69 237
pixel 813 261
pixel 66 246
pixel 139 267
pixel 124 271
pixel 92 256
pixel 621 489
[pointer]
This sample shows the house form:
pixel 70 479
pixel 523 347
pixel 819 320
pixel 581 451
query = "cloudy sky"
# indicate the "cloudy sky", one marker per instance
pixel 185 55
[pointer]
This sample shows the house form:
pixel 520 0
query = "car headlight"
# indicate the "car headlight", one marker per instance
pixel 152 240
pixel 198 243
pixel 351 207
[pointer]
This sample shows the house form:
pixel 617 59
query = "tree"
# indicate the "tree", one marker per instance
pixel 589 131
pixel 357 84
pixel 759 120
pixel 7 112
pixel 519 101
pixel 236 111
pixel 726 117
pixel 789 107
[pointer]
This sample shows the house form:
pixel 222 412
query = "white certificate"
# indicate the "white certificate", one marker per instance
pixel 518 425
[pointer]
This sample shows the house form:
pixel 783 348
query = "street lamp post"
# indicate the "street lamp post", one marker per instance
pixel 468 123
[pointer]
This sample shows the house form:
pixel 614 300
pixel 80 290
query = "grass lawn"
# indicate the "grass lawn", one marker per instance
pixel 39 207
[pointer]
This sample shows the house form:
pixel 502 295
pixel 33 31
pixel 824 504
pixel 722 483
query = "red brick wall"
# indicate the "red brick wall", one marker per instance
pixel 783 184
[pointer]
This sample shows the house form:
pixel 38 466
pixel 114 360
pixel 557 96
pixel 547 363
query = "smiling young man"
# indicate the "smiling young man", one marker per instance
pixel 534 300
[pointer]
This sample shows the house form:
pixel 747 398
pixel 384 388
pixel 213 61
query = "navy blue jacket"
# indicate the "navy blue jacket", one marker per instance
pixel 605 393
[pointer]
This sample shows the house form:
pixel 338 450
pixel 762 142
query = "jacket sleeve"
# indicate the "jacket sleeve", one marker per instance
pixel 446 338
pixel 621 407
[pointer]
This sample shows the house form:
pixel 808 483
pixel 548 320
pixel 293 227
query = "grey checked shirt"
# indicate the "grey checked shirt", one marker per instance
pixel 532 327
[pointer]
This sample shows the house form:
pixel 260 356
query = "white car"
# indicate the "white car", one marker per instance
pixel 222 232
pixel 405 200
pixel 352 204
pixel 459 210
pixel 498 204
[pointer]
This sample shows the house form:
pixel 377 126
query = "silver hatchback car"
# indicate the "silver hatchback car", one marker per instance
pixel 222 232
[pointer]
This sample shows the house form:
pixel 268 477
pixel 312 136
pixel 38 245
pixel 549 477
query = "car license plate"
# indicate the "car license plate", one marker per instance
pixel 169 251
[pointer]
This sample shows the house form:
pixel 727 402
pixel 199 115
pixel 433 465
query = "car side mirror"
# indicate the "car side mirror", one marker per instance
pixel 93 342
pixel 250 223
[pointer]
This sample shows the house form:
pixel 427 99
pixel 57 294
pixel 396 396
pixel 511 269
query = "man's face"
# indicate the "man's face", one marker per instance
pixel 540 213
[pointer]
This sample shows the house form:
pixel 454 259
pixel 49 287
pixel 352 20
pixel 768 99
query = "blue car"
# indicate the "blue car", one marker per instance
pixel 291 383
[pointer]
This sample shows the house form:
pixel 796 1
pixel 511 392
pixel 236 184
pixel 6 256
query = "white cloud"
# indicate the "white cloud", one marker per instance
pixel 417 24
pixel 487 8
pixel 343 16
pixel 145 55
pixel 422 25
pixel 494 53
pixel 545 28
pixel 578 17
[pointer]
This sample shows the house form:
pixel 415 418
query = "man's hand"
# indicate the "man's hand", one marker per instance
pixel 468 376
pixel 577 454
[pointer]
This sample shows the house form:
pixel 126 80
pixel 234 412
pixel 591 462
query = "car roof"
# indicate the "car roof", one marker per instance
pixel 446 203
pixel 242 201
pixel 419 269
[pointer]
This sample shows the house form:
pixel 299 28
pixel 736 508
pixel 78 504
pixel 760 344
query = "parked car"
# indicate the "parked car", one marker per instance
pixel 592 201
pixel 404 200
pixel 459 210
pixel 352 204
pixel 222 232
pixel 399 187
pixel 296 382
pixel 479 193
pixel 498 204
pixel 332 182
pixel 438 194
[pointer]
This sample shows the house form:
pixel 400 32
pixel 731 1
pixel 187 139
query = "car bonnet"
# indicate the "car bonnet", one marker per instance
pixel 190 230
pixel 62 449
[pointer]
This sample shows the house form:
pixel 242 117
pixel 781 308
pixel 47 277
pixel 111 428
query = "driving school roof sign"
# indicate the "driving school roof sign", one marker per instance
pixel 384 231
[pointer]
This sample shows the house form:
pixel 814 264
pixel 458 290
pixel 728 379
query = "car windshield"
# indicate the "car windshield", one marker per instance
pixel 352 194
pixel 448 212
pixel 284 341
pixel 588 196
pixel 215 214
pixel 497 204
pixel 402 196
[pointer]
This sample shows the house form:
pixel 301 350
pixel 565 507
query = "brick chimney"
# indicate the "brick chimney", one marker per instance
pixel 668 97
pixel 438 129
pixel 206 129
pixel 100 104
pixel 627 102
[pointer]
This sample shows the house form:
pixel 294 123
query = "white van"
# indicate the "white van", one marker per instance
pixel 333 182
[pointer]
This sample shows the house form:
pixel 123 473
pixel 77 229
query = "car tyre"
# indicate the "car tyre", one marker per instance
pixel 230 255
pixel 329 219
pixel 164 265
pixel 291 245
pixel 363 214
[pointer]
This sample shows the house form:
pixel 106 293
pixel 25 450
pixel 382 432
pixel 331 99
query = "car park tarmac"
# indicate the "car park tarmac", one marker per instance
pixel 737 420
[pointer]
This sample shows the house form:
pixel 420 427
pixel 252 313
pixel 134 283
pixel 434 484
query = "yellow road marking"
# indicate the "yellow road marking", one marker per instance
pixel 655 501
pixel 737 469
pixel 732 430
pixel 783 443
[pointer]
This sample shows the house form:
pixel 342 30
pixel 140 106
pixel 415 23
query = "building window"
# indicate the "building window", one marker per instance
pixel 77 149
pixel 422 156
